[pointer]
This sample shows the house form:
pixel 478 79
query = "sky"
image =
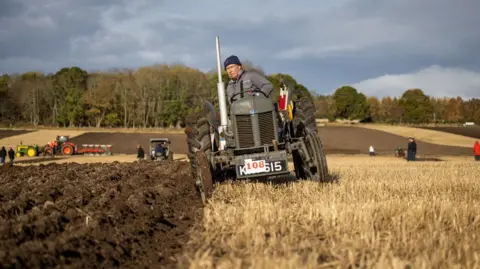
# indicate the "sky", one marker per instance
pixel 380 47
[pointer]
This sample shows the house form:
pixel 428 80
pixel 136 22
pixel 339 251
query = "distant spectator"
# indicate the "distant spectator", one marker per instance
pixel 412 149
pixel 140 153
pixel 11 155
pixel 372 151
pixel 3 155
pixel 476 151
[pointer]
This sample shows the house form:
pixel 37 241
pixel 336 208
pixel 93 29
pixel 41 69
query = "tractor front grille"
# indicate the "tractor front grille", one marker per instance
pixel 245 132
pixel 267 130
pixel 245 129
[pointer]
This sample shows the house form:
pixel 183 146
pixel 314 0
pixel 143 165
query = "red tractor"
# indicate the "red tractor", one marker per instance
pixel 60 146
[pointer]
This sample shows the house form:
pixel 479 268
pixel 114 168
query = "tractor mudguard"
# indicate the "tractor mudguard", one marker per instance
pixel 210 114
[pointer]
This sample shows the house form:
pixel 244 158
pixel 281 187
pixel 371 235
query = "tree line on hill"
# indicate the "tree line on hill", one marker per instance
pixel 163 95
pixel 413 107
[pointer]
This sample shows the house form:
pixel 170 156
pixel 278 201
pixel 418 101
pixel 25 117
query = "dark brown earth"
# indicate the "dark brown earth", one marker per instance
pixel 8 133
pixel 126 143
pixel 119 215
pixel 471 131
pixel 356 140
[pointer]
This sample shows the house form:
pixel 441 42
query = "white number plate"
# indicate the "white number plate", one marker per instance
pixel 259 166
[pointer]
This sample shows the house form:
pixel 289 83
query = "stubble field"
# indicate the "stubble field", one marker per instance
pixel 383 212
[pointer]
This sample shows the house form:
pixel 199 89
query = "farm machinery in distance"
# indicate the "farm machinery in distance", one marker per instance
pixel 155 154
pixel 63 146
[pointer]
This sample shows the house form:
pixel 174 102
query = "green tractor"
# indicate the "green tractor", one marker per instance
pixel 256 140
pixel 28 150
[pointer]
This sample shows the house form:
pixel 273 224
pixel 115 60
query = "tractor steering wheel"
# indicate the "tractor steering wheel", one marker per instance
pixel 256 90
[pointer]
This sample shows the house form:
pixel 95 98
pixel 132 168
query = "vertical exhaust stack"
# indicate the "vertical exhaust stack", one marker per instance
pixel 221 100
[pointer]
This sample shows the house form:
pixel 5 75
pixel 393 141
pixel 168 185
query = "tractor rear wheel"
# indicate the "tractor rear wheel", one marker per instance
pixel 199 148
pixel 31 152
pixel 304 117
pixel 305 126
pixel 67 150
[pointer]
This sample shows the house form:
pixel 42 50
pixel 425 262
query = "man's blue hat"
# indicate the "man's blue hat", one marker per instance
pixel 231 60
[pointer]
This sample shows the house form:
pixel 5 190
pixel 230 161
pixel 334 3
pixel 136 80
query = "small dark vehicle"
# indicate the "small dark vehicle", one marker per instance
pixel 157 156
pixel 256 140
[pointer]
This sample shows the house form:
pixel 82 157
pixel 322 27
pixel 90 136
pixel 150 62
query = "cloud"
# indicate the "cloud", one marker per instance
pixel 435 81
pixel 323 44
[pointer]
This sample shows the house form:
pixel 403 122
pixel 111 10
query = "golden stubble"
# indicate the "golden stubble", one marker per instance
pixel 383 213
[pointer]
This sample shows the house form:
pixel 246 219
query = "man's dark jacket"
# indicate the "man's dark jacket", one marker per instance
pixel 140 153
pixel 412 146
pixel 11 154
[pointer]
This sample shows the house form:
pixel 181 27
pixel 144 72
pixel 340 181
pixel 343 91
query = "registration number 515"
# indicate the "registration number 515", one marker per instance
pixel 259 166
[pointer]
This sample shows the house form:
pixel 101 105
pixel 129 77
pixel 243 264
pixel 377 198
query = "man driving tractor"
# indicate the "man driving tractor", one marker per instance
pixel 241 79
pixel 159 150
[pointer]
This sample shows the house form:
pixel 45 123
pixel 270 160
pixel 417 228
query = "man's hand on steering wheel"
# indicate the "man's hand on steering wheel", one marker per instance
pixel 250 92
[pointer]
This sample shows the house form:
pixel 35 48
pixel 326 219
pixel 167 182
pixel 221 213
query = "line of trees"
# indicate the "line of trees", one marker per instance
pixel 413 107
pixel 163 95
pixel 152 96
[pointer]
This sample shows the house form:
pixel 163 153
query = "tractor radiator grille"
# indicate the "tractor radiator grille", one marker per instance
pixel 267 130
pixel 245 132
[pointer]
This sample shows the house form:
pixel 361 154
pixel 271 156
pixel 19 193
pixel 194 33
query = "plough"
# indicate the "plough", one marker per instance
pixel 63 146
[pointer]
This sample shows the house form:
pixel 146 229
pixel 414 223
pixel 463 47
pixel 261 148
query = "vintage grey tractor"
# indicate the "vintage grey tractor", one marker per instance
pixel 255 140
pixel 157 156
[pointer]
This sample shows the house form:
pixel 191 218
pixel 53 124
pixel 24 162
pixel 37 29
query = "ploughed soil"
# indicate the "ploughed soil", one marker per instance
pixel 354 140
pixel 9 133
pixel 126 143
pixel 117 215
pixel 471 131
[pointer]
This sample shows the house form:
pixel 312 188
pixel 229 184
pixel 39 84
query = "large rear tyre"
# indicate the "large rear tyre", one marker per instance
pixel 304 118
pixel 68 150
pixel 310 163
pixel 31 152
pixel 199 142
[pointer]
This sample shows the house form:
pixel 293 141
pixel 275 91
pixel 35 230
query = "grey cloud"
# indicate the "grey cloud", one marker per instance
pixel 11 8
pixel 335 42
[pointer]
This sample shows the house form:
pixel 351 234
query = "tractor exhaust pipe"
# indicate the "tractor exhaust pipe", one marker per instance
pixel 221 99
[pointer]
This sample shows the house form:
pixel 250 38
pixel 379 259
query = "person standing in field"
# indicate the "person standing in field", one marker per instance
pixel 11 155
pixel 476 151
pixel 372 151
pixel 3 155
pixel 411 149
pixel 140 153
